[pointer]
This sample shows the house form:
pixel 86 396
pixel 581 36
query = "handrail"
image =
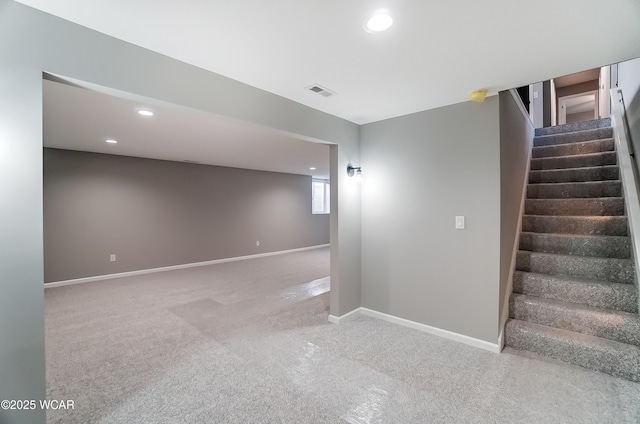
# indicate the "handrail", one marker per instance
pixel 618 106
pixel 628 171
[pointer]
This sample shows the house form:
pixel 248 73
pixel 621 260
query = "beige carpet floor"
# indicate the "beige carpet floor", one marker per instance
pixel 249 342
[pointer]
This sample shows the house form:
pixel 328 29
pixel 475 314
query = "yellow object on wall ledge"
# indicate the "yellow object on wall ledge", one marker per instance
pixel 478 96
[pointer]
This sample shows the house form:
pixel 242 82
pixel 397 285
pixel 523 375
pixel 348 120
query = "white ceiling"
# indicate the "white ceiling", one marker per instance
pixel 436 52
pixel 77 118
pixel 577 78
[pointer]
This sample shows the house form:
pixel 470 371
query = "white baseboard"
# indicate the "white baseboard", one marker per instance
pixel 471 341
pixel 346 317
pixel 174 267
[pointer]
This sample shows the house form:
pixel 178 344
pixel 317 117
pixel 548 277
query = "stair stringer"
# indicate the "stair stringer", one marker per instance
pixel 628 176
pixel 516 240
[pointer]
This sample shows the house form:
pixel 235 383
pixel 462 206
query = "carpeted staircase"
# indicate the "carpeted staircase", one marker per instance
pixel 574 297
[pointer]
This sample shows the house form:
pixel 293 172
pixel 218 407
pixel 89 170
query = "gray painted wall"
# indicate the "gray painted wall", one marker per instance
pixel 22 373
pixel 154 213
pixel 345 253
pixel 629 83
pixel 579 117
pixel 422 170
pixel 33 42
pixel 516 140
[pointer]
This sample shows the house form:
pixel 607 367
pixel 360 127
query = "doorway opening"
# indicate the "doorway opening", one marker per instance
pixel 188 231
pixel 578 107
pixel 578 97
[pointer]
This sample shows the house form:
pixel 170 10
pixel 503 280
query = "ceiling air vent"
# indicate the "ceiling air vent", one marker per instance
pixel 316 88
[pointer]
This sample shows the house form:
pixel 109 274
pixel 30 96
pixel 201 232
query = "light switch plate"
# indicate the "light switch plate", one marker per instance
pixel 459 222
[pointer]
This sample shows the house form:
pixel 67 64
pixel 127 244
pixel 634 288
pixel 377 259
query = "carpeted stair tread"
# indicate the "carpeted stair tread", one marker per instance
pixel 577 244
pixel 595 353
pixel 587 225
pixel 580 148
pixel 599 206
pixel 572 137
pixel 606 269
pixel 581 190
pixel 573 127
pixel 591 173
pixel 574 161
pixel 574 297
pixel 601 294
pixel 620 326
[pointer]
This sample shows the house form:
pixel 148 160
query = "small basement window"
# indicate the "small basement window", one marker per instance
pixel 320 196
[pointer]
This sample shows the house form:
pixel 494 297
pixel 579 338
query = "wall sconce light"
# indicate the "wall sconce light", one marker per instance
pixel 355 171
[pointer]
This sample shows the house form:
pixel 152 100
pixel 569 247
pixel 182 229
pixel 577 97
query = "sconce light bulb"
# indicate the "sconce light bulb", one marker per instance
pixel 358 176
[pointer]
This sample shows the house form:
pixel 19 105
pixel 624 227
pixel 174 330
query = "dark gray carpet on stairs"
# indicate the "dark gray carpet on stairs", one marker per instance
pixel 575 297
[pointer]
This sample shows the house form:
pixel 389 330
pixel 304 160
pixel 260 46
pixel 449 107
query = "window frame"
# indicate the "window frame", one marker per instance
pixel 326 196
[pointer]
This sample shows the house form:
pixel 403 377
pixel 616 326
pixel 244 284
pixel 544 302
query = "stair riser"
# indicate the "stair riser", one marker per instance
pixel 574 190
pixel 604 247
pixel 607 269
pixel 574 297
pixel 573 137
pixel 597 226
pixel 582 148
pixel 613 206
pixel 576 126
pixel 599 173
pixel 618 326
pixel 620 297
pixel 623 363
pixel 596 159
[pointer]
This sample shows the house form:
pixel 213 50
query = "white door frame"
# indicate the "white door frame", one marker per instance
pixel 554 104
pixel 605 101
pixel 562 108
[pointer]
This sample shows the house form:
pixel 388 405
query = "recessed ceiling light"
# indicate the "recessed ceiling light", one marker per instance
pixel 312 168
pixel 111 141
pixel 145 112
pixel 380 21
